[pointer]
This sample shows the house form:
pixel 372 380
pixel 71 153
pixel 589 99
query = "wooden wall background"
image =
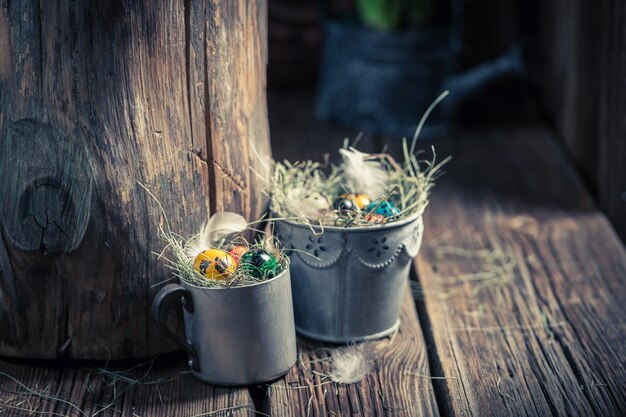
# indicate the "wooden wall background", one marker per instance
pixel 584 90
pixel 575 52
pixel 611 172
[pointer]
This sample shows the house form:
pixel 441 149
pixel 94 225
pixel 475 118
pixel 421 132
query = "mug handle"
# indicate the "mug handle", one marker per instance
pixel 157 313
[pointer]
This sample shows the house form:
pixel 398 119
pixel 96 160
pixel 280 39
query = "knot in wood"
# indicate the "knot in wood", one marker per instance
pixel 46 187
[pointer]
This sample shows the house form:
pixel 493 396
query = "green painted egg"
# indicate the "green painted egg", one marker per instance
pixel 259 263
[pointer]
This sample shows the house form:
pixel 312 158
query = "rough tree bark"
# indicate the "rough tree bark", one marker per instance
pixel 95 98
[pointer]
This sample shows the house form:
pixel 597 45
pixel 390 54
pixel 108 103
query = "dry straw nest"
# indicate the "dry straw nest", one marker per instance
pixel 223 231
pixel 181 262
pixel 296 189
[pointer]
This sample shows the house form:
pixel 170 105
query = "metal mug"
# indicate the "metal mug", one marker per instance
pixel 352 286
pixel 234 336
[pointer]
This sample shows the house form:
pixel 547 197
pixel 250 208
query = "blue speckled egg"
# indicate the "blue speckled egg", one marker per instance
pixel 385 208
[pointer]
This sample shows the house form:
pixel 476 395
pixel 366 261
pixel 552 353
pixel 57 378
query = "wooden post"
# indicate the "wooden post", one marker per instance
pixel 95 98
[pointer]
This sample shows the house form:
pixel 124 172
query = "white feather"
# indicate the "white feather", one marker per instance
pixel 362 174
pixel 219 225
pixel 352 363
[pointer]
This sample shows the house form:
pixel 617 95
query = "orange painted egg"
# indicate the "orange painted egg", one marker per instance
pixel 237 251
pixel 215 264
pixel 376 218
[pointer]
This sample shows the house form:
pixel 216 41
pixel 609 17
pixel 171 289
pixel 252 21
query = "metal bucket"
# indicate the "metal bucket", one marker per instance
pixel 351 289
pixel 380 81
pixel 234 336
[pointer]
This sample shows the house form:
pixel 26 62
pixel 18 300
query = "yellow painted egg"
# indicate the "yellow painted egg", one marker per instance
pixel 361 200
pixel 215 264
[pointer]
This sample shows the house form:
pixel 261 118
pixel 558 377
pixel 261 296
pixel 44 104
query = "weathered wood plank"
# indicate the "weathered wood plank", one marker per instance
pixel 153 388
pixel 236 72
pixel 398 386
pixel 523 283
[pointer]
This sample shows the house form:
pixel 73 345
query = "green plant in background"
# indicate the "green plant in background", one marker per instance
pixel 392 15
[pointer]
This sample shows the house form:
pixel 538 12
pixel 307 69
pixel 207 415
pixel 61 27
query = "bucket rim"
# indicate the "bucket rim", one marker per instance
pixel 286 271
pixel 357 229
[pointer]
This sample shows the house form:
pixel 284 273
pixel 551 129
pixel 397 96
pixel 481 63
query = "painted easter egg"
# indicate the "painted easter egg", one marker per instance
pixel 344 205
pixel 258 263
pixel 316 201
pixel 376 218
pixel 215 264
pixel 312 205
pixel 384 208
pixel 361 200
pixel 237 251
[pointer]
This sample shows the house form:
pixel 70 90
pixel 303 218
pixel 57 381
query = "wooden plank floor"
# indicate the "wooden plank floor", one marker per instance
pixel 543 330
pixel 156 387
pixel 520 306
